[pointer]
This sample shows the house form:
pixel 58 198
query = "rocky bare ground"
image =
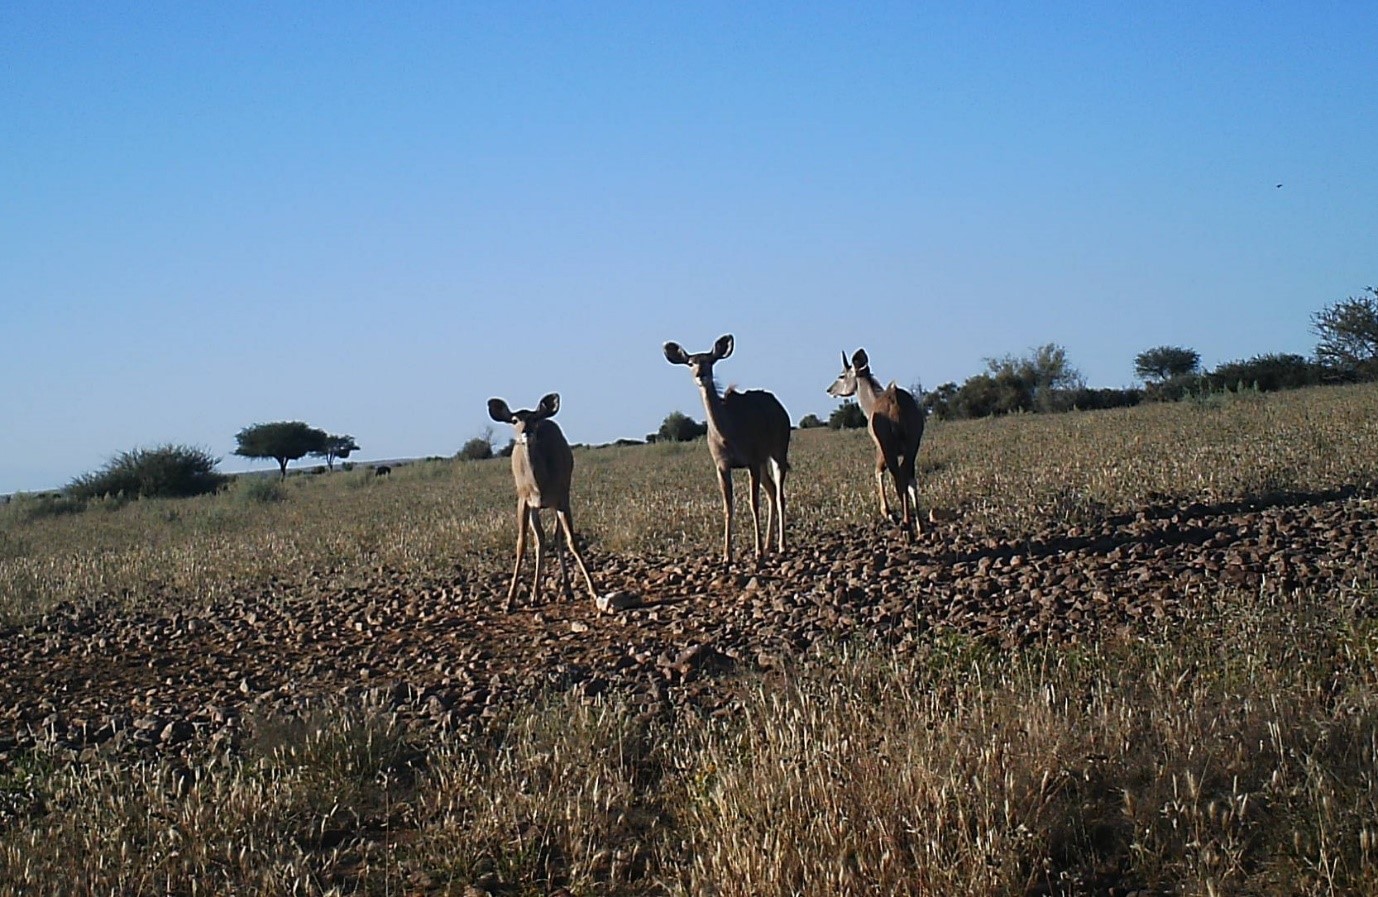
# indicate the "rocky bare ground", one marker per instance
pixel 443 654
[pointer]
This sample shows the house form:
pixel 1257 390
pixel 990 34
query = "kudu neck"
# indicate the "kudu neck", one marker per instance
pixel 868 389
pixel 712 402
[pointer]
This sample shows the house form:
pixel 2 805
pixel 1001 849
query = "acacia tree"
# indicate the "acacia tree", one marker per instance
pixel 336 447
pixel 1349 333
pixel 1044 375
pixel 282 441
pixel 1162 363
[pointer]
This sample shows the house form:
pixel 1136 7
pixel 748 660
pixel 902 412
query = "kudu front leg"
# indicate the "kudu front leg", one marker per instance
pixel 725 484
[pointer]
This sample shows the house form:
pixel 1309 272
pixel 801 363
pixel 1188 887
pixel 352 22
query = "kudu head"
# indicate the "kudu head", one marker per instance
pixel 526 423
pixel 845 384
pixel 700 363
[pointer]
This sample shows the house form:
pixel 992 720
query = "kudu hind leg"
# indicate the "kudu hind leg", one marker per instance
pixel 754 474
pixel 772 500
pixel 565 521
pixel 777 484
pixel 538 531
pixel 880 488
pixel 557 546
pixel 910 493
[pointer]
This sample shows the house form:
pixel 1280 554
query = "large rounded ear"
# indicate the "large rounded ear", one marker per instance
pixel 498 411
pixel 675 354
pixel 549 405
pixel 859 359
pixel 723 347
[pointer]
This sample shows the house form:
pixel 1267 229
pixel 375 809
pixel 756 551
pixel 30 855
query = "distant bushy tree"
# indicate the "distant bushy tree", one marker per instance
pixel 680 427
pixel 1266 373
pixel 987 395
pixel 1349 335
pixel 282 441
pixel 811 422
pixel 1174 389
pixel 168 471
pixel 938 402
pixel 1162 363
pixel 480 448
pixel 336 447
pixel 1044 377
pixel 847 416
pixel 1087 399
pixel 1043 380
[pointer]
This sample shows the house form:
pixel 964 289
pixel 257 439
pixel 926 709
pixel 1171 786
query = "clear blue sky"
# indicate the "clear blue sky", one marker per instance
pixel 373 217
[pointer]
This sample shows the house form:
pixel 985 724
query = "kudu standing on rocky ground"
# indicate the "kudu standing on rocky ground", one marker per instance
pixel 896 424
pixel 745 429
pixel 543 466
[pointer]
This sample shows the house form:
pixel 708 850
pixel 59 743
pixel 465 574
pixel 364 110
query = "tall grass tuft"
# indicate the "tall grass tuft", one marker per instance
pixel 1222 759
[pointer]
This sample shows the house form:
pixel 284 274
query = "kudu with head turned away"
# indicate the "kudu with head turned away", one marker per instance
pixel 895 420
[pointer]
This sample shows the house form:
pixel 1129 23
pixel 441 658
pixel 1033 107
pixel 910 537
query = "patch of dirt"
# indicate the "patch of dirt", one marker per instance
pixel 443 654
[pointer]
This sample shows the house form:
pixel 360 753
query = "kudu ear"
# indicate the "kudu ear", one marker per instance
pixel 675 354
pixel 498 411
pixel 846 365
pixel 860 360
pixel 723 347
pixel 550 404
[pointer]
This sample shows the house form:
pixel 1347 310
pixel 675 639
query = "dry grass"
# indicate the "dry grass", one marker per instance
pixel 1236 755
pixel 1239 755
pixel 1009 474
pixel 1222 761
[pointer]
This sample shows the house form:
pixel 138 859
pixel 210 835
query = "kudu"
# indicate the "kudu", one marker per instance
pixel 745 429
pixel 896 424
pixel 543 466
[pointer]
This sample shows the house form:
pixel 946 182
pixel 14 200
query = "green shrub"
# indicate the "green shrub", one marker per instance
pixel 25 507
pixel 168 471
pixel 261 490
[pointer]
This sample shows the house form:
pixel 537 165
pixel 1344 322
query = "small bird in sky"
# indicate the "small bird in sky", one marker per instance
pixel 1279 186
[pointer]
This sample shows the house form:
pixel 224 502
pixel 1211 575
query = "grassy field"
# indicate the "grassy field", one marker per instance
pixel 1236 753
pixel 1012 474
